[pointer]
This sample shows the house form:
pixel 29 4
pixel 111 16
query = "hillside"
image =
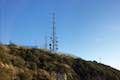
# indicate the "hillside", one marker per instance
pixel 26 63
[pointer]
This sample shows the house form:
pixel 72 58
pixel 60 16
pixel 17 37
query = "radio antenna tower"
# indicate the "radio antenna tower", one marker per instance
pixel 46 45
pixel 53 39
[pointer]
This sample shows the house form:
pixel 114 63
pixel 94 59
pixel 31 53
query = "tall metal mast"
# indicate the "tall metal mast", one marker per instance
pixel 46 45
pixel 53 45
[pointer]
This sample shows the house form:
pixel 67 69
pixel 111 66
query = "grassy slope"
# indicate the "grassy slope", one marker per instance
pixel 25 63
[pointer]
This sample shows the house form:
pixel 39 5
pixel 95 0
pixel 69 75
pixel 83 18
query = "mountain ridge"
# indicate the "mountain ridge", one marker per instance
pixel 29 63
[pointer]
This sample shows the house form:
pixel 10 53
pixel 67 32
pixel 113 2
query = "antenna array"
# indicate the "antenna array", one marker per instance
pixel 53 39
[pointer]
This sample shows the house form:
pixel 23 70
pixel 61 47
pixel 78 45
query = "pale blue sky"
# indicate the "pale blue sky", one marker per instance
pixel 89 29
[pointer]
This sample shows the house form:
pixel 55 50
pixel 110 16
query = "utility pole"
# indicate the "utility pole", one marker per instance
pixel 100 60
pixel 53 39
pixel 46 45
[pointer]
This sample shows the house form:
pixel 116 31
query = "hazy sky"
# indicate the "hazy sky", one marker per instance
pixel 89 29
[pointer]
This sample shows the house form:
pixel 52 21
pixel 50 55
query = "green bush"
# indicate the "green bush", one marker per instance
pixel 26 75
pixel 19 62
pixel 4 57
pixel 32 66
